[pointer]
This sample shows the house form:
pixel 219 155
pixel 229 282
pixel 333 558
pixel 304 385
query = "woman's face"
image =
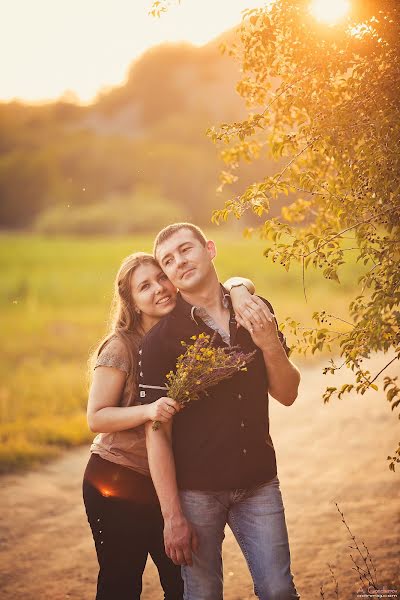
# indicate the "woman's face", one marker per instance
pixel 152 292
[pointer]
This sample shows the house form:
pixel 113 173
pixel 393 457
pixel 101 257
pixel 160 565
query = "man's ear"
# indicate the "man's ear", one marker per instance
pixel 211 249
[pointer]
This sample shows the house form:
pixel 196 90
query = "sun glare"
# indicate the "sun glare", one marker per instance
pixel 67 47
pixel 329 11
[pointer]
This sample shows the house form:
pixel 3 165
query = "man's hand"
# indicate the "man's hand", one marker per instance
pixel 180 540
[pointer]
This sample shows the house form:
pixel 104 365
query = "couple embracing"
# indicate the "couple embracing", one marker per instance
pixel 169 492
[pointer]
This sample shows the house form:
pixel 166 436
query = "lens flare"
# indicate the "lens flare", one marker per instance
pixel 329 11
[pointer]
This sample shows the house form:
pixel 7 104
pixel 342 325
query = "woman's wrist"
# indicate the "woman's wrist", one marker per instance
pixel 147 412
pixel 233 282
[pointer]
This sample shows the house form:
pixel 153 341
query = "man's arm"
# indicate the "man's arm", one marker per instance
pixel 156 359
pixel 283 375
pixel 179 536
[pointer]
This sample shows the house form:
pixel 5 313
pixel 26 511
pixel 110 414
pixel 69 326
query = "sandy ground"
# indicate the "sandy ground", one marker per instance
pixel 326 454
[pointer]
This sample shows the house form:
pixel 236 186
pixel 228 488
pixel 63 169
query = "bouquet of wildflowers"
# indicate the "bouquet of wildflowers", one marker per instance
pixel 202 366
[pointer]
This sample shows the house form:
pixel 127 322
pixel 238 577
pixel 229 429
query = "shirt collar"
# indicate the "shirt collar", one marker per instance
pixel 190 310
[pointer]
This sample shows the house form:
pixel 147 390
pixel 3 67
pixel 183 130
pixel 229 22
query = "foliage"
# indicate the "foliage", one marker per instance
pixel 147 131
pixel 120 215
pixel 25 177
pixel 331 116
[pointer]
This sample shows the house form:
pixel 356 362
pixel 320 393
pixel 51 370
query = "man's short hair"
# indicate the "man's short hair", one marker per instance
pixel 170 230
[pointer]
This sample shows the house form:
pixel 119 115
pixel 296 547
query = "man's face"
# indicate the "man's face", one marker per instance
pixel 185 261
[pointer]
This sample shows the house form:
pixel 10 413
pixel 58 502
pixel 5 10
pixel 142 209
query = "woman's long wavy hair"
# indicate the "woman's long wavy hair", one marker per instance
pixel 125 321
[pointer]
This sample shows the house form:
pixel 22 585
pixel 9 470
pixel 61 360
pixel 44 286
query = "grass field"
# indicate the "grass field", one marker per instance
pixel 55 296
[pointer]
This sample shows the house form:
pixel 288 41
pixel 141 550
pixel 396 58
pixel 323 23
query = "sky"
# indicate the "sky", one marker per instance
pixel 50 47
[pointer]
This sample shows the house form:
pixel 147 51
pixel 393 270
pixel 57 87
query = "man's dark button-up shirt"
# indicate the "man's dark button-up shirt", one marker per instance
pixel 220 441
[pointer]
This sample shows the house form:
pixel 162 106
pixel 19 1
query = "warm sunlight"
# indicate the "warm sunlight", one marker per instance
pixel 49 48
pixel 329 11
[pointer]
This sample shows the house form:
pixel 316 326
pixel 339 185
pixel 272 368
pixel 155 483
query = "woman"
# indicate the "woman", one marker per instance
pixel 120 500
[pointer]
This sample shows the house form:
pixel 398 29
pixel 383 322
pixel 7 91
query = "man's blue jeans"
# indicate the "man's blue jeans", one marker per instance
pixel 257 519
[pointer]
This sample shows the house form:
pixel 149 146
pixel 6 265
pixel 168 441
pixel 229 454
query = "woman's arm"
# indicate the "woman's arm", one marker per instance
pixel 237 282
pixel 248 310
pixel 105 416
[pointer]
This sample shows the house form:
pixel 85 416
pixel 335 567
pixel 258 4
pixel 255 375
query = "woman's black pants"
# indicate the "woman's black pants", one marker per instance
pixel 125 531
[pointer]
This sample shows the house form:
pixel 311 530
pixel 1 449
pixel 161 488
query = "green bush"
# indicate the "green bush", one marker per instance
pixel 120 215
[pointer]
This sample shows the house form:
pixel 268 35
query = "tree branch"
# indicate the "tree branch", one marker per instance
pixel 345 231
pixel 295 158
pixel 340 319
pixel 385 367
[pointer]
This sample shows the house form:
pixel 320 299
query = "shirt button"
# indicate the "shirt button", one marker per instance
pixel 244 451
pixel 242 424
pixel 240 396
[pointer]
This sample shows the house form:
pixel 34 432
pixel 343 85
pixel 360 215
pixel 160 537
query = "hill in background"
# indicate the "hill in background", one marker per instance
pixel 135 159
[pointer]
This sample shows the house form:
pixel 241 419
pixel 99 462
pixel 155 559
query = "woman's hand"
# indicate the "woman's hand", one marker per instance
pixel 250 311
pixel 163 409
pixel 264 334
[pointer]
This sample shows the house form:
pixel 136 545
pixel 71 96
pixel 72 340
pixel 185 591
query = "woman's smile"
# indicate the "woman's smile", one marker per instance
pixel 164 300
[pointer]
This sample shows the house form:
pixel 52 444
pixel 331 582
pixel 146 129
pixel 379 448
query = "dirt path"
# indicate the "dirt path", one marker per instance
pixel 325 454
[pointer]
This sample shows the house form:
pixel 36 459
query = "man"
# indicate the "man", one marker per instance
pixel 217 464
